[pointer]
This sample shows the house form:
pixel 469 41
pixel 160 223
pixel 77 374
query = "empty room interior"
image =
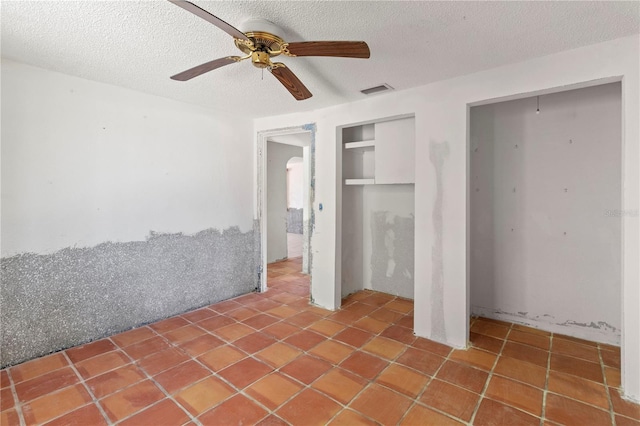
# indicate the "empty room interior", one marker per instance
pixel 319 212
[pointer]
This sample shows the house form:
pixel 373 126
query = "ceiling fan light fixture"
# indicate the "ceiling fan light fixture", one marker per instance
pixel 377 89
pixel 260 59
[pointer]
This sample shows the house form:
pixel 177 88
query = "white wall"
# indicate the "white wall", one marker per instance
pixel 278 154
pixel 352 248
pixel 295 183
pixel 544 250
pixel 441 111
pixel 378 255
pixel 85 162
pixel 118 209
pixel 388 238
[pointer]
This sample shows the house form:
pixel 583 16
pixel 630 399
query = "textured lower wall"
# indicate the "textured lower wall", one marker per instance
pixel 294 221
pixel 52 302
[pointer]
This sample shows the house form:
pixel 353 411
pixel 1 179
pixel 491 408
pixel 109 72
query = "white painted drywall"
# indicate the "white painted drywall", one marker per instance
pixel 359 204
pixel 395 151
pixel 352 253
pixel 441 111
pixel 85 162
pixel 278 154
pixel 295 183
pixel 397 202
pixel 545 251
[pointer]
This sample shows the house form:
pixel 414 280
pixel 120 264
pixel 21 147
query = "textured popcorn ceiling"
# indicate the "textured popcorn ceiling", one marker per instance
pixel 138 45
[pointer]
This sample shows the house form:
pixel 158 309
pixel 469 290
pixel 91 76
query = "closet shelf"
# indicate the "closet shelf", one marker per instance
pixel 361 144
pixel 359 181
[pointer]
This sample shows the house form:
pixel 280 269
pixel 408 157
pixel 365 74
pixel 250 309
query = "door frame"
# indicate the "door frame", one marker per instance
pixel 263 137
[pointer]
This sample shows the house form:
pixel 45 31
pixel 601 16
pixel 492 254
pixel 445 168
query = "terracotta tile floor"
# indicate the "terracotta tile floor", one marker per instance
pixel 273 359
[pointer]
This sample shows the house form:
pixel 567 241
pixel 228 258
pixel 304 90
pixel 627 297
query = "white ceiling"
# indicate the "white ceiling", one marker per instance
pixel 139 44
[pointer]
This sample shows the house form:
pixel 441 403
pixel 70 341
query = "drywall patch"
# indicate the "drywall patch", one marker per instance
pixel 438 153
pixel 51 302
pixel 392 254
pixel 600 325
pixel 309 226
pixel 294 221
pixel 306 249
pixel 257 254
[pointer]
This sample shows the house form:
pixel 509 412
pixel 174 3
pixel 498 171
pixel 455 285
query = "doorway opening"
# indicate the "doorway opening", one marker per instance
pixel 285 182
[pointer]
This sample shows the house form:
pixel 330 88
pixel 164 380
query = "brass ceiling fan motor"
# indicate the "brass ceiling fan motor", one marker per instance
pixel 263 45
pixel 260 43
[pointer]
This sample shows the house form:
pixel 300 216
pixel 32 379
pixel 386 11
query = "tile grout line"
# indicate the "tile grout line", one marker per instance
pixel 84 384
pixel 160 387
pixel 490 376
pixel 355 349
pixel 223 379
pixel 248 355
pixel 238 391
pixel 431 378
pixel 415 400
pixel 277 369
pixel 566 396
pixel 72 366
pixel 17 402
pixel 83 381
pixel 545 390
pixel 424 389
pixel 547 371
pixel 461 387
pixel 372 380
pixel 606 387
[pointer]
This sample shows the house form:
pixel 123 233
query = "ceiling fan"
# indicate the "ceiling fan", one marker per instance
pixel 260 43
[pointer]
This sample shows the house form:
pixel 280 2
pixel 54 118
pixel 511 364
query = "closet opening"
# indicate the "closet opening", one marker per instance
pixel 376 198
pixel 545 196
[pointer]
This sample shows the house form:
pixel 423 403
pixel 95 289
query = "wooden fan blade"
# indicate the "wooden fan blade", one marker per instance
pixel 290 81
pixel 206 67
pixel 341 49
pixel 229 29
